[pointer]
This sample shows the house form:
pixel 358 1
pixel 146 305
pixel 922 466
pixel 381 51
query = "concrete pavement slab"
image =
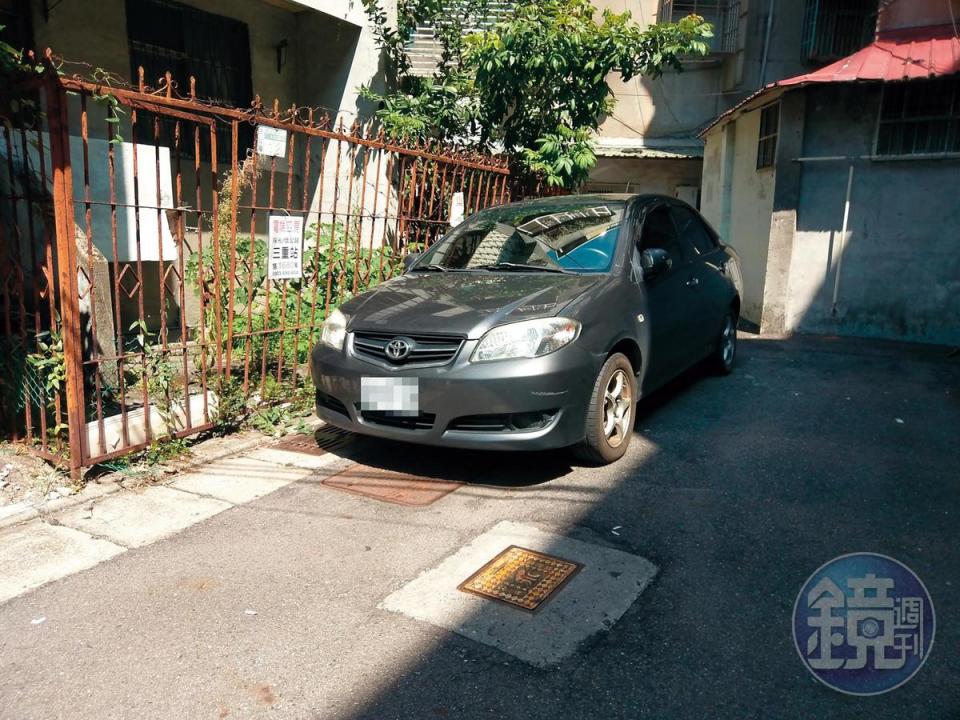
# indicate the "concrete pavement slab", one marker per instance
pixel 9 511
pixel 239 479
pixel 143 516
pixel 38 553
pixel 591 602
pixel 294 459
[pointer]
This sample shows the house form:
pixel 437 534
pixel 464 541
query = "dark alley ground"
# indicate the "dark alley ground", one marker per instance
pixel 736 488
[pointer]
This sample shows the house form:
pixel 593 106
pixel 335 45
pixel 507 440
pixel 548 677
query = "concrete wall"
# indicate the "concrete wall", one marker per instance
pixel 678 104
pixel 783 59
pixel 901 266
pixel 915 13
pixel 644 176
pixel 328 57
pixel 730 170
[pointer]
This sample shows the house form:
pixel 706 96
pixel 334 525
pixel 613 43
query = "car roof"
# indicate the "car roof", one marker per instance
pixel 610 197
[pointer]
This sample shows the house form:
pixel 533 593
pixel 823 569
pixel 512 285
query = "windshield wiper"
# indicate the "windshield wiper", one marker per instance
pixel 429 268
pixel 522 267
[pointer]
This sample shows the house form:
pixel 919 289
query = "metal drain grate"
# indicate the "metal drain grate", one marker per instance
pixel 389 486
pixel 323 441
pixel 521 578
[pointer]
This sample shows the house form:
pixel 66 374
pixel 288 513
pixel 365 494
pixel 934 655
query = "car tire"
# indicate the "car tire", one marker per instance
pixel 611 413
pixel 725 353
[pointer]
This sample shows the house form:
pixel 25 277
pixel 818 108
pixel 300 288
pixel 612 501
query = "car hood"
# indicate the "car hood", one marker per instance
pixel 462 303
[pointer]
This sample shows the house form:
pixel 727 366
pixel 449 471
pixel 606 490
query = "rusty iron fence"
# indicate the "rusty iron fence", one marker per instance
pixel 139 276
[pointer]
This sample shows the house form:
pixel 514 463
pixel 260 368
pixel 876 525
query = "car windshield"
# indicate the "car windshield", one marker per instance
pixel 578 236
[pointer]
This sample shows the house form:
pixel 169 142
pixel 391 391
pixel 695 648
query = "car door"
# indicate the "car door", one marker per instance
pixel 709 296
pixel 665 300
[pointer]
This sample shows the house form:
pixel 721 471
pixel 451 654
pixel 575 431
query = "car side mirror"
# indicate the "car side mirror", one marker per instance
pixel 409 259
pixel 655 261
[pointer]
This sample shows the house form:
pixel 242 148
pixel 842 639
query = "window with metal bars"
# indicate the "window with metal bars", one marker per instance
pixel 724 15
pixel 920 117
pixel 769 133
pixel 833 29
pixel 168 36
pixel 424 46
pixel 16 21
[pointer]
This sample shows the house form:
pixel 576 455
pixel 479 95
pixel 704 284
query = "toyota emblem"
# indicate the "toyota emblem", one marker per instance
pixel 399 348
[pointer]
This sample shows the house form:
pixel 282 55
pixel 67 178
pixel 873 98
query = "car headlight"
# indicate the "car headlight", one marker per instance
pixel 527 339
pixel 334 330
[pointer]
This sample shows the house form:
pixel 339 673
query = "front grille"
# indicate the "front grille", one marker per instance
pixel 423 421
pixel 427 349
pixel 331 403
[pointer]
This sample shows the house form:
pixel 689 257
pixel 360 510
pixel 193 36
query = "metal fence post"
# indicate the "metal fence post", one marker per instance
pixel 66 267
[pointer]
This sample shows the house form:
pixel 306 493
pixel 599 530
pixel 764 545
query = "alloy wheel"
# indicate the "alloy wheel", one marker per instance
pixel 728 341
pixel 617 408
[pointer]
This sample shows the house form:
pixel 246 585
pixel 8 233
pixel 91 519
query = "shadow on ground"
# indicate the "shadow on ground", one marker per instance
pixel 812 449
pixel 517 469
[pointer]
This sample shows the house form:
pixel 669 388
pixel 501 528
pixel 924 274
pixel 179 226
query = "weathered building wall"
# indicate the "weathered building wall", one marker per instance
pixel 327 56
pixel 751 68
pixel 916 13
pixel 901 267
pixel 731 164
pixel 679 104
pixel 674 105
pixel 652 175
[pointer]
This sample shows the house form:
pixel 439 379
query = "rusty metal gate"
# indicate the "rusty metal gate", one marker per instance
pixel 139 275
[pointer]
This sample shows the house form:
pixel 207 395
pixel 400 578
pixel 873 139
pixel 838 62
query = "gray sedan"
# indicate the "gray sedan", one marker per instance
pixel 533 325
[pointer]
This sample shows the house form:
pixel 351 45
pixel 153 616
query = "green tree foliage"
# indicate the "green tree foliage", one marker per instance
pixel 534 83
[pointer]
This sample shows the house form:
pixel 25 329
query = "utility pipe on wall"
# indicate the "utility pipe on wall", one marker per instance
pixel 766 44
pixel 846 215
pixel 843 241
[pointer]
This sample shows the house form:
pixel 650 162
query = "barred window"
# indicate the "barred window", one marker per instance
pixel 833 29
pixel 724 15
pixel 769 132
pixel 164 35
pixel 920 117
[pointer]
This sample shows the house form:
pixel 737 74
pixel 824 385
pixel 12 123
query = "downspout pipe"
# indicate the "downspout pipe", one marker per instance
pixel 842 242
pixel 766 44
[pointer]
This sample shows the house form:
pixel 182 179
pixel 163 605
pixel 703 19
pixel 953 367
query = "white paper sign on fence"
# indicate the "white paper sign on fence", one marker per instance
pixel 285 257
pixel 271 142
pixel 456 209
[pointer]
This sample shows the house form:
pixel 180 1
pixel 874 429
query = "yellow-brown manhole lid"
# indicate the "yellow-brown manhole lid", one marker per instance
pixel 522 578
pixel 389 486
pixel 323 441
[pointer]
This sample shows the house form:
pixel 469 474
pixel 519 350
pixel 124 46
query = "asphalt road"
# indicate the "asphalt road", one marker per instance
pixel 737 488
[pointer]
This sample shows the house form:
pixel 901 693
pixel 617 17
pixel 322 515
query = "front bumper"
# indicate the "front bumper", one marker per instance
pixel 558 385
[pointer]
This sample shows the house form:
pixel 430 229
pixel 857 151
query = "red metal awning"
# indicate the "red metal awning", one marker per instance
pixel 895 55
pixel 907 54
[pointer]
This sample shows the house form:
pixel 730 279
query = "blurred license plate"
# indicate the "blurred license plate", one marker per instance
pixel 396 395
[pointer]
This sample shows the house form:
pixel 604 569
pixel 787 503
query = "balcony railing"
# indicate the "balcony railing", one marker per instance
pixel 833 29
pixel 724 15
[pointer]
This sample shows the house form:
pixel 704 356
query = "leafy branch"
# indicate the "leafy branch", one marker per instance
pixel 533 83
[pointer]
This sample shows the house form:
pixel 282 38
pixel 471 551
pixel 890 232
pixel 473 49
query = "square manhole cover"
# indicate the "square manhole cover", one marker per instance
pixel 390 486
pixel 523 578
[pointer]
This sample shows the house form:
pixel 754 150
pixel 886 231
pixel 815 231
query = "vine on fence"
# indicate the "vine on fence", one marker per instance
pixel 334 268
pixel 49 366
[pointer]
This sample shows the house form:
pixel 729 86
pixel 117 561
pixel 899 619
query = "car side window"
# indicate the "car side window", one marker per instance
pixel 691 230
pixel 658 232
